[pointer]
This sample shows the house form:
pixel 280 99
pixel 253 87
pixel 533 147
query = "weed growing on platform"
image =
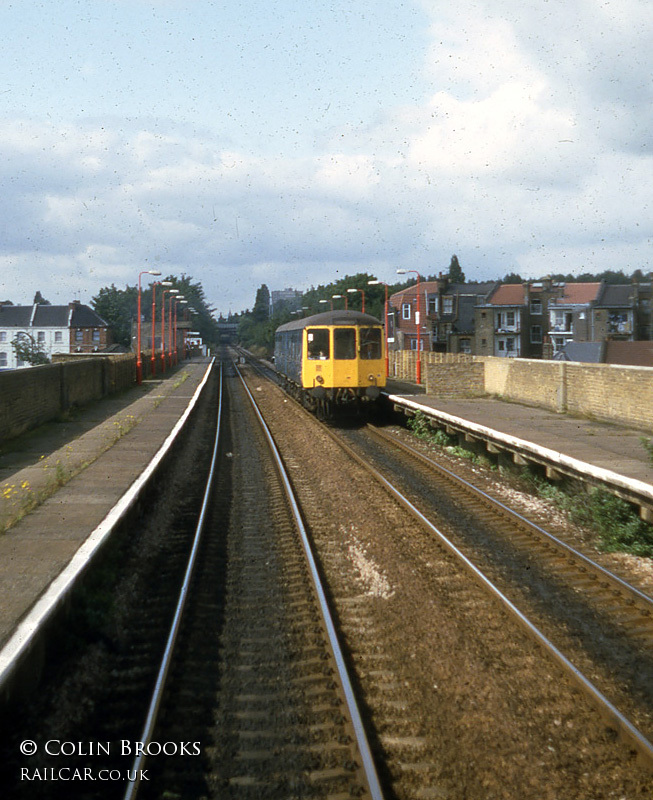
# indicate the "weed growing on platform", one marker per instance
pixel 421 428
pixel 647 444
pixel 619 527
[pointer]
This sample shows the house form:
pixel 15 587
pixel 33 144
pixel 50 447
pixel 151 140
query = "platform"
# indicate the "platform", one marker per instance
pixel 41 554
pixel 601 453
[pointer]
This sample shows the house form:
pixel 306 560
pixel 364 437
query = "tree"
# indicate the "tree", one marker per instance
pixel 456 275
pixel 512 277
pixel 261 311
pixel 38 298
pixel 118 307
pixel 28 350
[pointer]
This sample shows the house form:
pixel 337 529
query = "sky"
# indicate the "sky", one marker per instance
pixel 294 142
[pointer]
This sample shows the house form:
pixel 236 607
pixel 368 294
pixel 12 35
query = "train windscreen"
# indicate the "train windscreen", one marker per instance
pixel 344 343
pixel 370 343
pixel 318 343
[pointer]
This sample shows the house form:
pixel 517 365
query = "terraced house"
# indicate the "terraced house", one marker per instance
pixel 73 328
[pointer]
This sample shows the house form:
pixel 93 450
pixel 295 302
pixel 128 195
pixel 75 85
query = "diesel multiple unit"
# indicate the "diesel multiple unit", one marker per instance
pixel 331 359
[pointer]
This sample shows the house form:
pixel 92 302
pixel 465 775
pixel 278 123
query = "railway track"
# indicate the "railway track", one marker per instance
pixel 284 717
pixel 598 621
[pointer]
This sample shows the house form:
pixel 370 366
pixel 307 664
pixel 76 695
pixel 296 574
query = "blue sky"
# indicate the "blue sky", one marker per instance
pixel 292 143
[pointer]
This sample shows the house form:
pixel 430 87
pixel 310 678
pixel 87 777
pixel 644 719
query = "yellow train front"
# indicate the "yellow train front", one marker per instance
pixel 332 359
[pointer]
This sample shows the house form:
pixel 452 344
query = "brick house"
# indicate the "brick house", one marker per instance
pixel 402 327
pixel 74 328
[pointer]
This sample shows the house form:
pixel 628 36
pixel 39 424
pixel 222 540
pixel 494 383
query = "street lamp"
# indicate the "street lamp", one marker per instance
pixel 179 299
pixel 139 359
pixel 362 291
pixel 385 324
pixel 154 285
pixel 327 301
pixel 172 292
pixel 418 369
pixel 339 297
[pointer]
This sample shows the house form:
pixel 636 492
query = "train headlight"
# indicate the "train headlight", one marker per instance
pixel 319 379
pixel 370 378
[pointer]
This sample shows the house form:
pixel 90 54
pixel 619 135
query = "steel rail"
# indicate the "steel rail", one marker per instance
pixel 369 767
pixel 626 729
pixel 632 592
pixel 157 693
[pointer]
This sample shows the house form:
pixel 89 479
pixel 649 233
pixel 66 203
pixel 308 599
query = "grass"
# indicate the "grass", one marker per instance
pixel 615 521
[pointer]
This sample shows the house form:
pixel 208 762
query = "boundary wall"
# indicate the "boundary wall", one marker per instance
pixel 605 392
pixel 32 396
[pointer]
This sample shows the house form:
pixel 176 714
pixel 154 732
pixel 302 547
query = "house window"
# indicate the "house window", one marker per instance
pixel 96 336
pixel 432 305
pixel 79 335
pixel 466 346
pixel 536 334
pixel 510 344
pixel 536 306
pixel 510 319
pixel 3 359
pixel 447 305
pixel 413 344
pixel 405 311
pixel 3 336
pixel 58 336
pixel 41 337
pixel 502 344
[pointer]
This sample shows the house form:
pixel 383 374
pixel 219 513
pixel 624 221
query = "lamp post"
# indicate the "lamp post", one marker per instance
pixel 139 359
pixel 154 285
pixel 172 292
pixel 385 324
pixel 339 297
pixel 418 366
pixel 179 299
pixel 362 291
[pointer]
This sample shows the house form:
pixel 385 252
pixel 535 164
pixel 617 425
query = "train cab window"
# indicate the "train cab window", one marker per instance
pixel 344 343
pixel 318 343
pixel 370 343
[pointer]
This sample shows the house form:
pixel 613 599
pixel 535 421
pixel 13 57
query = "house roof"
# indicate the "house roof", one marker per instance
pixel 577 294
pixel 633 354
pixel 508 294
pixel 47 316
pixel 616 296
pixel 428 287
pixel 474 289
pixel 15 316
pixel 591 352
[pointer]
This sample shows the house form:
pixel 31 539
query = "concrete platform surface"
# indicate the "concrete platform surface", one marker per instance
pixel 603 446
pixel 54 495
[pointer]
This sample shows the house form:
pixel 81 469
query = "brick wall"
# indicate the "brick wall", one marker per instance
pixel 462 379
pixel 606 392
pixel 29 397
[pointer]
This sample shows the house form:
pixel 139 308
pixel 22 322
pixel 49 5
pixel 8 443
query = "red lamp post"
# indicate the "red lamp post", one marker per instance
pixel 154 285
pixel 139 356
pixel 179 299
pixel 385 324
pixel 418 366
pixel 339 297
pixel 172 291
pixel 362 291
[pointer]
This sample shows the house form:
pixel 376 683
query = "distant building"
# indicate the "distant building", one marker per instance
pixel 74 328
pixel 291 299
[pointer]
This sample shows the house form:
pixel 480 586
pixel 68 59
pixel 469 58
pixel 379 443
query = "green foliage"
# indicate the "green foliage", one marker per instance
pixel 28 350
pixel 647 444
pixel 456 274
pixel 119 308
pixel 38 298
pixel 619 527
